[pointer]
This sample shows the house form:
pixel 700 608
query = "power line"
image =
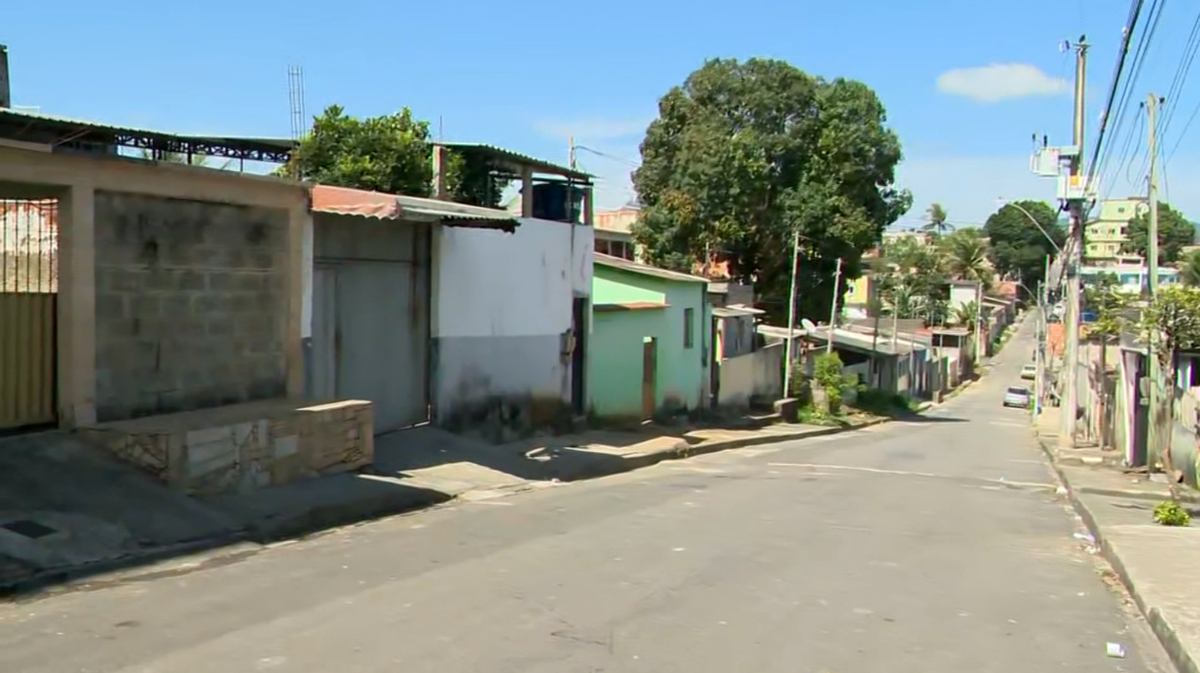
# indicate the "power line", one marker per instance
pixel 1135 10
pixel 606 155
pixel 1181 74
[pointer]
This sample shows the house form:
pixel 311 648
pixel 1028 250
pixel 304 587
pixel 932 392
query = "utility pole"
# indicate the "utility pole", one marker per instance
pixel 837 284
pixel 1074 251
pixel 1153 370
pixel 791 336
pixel 571 152
pixel 979 324
pixel 1043 330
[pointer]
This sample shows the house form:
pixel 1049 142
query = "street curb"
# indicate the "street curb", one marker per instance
pixel 1163 630
pixel 56 577
pixel 683 451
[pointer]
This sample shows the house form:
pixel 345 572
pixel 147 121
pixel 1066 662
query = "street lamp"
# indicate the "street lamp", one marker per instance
pixel 1004 202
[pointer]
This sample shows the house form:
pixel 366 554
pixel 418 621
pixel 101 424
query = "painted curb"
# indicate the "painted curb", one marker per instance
pixel 1163 630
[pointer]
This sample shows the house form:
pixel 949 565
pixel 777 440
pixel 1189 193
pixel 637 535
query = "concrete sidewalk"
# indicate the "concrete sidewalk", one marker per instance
pixel 1153 562
pixel 68 511
pixel 424 466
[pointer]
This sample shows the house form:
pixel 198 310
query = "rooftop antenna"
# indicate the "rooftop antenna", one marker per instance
pixel 296 103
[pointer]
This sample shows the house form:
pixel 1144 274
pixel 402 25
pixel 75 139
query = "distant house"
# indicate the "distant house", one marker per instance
pixel 650 344
pixel 746 372
pixel 860 294
pixel 903 367
pixel 613 235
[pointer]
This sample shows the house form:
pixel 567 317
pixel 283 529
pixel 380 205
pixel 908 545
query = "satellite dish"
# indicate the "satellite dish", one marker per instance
pixel 808 325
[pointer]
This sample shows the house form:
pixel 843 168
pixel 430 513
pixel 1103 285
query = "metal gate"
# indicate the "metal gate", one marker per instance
pixel 28 310
pixel 371 320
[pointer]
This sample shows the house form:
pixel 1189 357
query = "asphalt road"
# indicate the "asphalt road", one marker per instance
pixel 932 546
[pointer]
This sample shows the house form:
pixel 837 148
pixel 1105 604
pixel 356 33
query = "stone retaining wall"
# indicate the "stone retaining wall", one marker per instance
pixel 242 447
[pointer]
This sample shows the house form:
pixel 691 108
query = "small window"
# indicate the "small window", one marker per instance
pixel 689 329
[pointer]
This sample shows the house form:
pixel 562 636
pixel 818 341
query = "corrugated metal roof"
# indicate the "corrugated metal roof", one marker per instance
pixel 520 160
pixel 364 203
pixel 865 342
pixel 645 269
pixel 27 117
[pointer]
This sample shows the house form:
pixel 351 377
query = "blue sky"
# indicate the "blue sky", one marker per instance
pixel 525 76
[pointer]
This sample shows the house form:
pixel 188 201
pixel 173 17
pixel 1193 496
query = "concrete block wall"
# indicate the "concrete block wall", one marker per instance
pixel 191 304
pixel 243 447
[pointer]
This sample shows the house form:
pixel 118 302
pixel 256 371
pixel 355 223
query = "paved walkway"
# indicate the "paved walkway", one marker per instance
pixel 931 545
pixel 1155 563
pixel 77 513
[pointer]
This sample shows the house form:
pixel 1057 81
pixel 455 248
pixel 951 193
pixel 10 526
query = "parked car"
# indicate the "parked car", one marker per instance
pixel 1029 372
pixel 1017 396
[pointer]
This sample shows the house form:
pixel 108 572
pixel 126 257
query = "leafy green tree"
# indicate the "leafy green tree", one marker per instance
pixel 965 256
pixel 1172 323
pixel 1174 233
pixel 1105 298
pixel 390 154
pixel 967 315
pixel 912 280
pixel 937 224
pixel 1018 245
pixel 1189 269
pixel 744 154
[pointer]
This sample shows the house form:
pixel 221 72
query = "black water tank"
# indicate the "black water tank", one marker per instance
pixel 550 202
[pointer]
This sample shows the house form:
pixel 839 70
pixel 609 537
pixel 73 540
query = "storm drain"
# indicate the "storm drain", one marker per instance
pixel 29 528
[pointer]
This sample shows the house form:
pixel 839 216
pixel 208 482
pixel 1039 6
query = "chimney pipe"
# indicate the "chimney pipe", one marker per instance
pixel 5 91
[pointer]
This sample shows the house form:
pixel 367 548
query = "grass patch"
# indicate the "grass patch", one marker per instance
pixel 882 403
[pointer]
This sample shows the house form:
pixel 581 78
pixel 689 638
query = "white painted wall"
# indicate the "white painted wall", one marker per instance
pixel 501 303
pixel 750 376
pixel 491 283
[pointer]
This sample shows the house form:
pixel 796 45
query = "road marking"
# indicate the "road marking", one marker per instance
pixel 906 473
pixel 1008 424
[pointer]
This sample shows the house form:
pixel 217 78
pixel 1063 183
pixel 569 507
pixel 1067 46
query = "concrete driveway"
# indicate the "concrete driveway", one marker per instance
pixel 937 545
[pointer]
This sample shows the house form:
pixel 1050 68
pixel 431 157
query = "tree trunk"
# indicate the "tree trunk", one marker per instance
pixel 1103 425
pixel 1165 422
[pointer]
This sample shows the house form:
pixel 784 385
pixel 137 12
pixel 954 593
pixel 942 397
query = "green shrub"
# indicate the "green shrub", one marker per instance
pixel 1170 513
pixel 879 402
pixel 827 372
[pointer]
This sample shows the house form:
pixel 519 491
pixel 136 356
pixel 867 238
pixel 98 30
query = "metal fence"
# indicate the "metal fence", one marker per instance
pixel 28 310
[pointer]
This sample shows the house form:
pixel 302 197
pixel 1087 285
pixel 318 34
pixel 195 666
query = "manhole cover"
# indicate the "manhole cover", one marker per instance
pixel 29 528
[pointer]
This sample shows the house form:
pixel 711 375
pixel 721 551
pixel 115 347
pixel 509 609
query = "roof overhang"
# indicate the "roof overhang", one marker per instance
pixel 363 203
pixel 630 306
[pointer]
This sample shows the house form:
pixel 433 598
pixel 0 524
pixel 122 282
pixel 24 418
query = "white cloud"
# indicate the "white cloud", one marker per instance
pixel 593 130
pixel 1000 81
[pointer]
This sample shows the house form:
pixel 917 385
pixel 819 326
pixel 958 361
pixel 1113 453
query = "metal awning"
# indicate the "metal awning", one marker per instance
pixel 364 203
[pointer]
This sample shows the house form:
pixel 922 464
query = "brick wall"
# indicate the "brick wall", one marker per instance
pixel 191 304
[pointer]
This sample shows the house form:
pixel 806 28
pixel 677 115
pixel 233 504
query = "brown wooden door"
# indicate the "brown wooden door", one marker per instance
pixel 649 364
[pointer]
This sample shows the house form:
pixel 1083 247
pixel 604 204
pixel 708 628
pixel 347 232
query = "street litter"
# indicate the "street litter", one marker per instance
pixel 1116 650
pixel 1087 537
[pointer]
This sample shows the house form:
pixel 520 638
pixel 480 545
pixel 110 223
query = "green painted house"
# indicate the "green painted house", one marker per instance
pixel 650 344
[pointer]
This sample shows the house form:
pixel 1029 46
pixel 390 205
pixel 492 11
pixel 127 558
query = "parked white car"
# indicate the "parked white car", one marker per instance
pixel 1017 396
pixel 1029 372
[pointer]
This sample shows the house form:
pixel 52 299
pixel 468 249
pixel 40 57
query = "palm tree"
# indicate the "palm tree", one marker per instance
pixel 1189 269
pixel 966 258
pixel 937 224
pixel 967 315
